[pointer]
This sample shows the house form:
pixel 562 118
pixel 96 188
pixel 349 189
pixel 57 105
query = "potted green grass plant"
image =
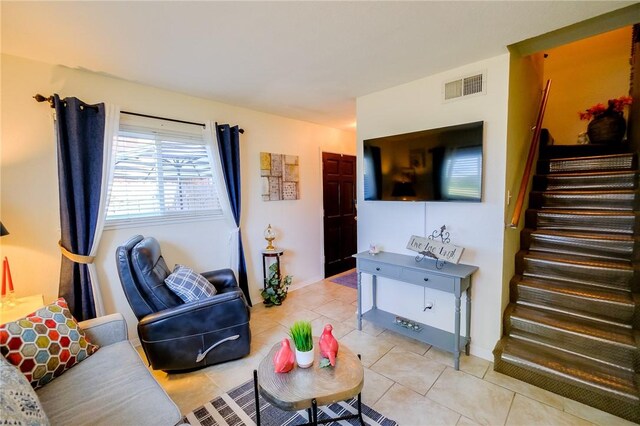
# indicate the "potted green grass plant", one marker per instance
pixel 300 333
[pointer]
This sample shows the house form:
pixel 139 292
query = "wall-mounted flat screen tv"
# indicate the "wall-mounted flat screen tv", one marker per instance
pixel 442 164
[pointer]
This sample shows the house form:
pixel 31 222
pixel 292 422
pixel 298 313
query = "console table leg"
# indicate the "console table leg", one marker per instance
pixel 359 300
pixel 466 348
pixel 255 391
pixel 374 288
pixel 456 338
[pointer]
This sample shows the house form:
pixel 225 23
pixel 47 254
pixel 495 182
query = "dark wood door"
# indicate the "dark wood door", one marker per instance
pixel 339 202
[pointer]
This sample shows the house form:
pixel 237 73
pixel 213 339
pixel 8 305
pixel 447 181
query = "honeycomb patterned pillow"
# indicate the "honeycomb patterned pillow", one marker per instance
pixel 45 344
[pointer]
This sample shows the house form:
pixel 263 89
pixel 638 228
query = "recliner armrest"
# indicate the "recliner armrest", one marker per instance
pixel 202 316
pixel 221 278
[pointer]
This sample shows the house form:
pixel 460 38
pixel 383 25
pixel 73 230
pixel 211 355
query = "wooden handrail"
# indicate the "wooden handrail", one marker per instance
pixel 533 148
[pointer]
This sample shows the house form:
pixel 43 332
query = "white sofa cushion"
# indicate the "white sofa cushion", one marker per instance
pixel 112 387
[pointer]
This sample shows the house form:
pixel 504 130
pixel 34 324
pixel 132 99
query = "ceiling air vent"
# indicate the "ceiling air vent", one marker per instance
pixel 465 86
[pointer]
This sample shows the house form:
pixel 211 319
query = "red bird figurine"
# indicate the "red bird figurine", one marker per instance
pixel 328 345
pixel 284 359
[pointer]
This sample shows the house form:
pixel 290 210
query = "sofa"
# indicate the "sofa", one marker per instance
pixel 111 387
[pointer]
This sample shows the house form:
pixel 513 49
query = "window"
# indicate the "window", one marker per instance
pixel 161 174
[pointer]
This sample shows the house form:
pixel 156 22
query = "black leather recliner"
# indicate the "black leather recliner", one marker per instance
pixel 177 335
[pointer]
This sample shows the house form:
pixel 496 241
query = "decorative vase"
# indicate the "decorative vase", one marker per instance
pixel 304 359
pixel 607 128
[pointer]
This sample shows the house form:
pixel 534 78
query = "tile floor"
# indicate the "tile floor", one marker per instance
pixel 436 395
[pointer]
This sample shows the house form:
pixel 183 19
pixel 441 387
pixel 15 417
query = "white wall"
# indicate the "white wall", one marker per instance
pixel 479 227
pixel 585 73
pixel 525 93
pixel 29 195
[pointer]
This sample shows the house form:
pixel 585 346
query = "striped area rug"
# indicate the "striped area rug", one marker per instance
pixel 237 408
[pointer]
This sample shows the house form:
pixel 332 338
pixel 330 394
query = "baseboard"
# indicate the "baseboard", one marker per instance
pixel 306 283
pixel 481 352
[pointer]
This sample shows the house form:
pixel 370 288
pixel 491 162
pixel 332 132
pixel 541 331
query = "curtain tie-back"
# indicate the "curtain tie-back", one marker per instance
pixel 77 258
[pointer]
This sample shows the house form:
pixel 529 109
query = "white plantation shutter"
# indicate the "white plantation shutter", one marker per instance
pixel 161 174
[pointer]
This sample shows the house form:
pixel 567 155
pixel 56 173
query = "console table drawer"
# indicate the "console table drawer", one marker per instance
pixel 377 268
pixel 426 279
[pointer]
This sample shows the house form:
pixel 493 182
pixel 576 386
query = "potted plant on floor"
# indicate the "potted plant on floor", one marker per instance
pixel 276 288
pixel 300 333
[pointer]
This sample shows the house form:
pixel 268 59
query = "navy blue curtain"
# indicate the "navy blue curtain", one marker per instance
pixel 229 146
pixel 80 129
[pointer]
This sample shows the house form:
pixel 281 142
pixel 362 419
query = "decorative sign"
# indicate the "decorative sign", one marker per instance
pixel 434 248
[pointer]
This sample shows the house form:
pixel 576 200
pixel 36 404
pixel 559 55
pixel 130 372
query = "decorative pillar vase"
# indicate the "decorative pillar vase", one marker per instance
pixel 304 359
pixel 607 128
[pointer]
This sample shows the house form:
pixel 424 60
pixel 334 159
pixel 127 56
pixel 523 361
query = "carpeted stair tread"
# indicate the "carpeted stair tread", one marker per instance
pixel 618 336
pixel 624 161
pixel 608 200
pixel 584 244
pixel 620 298
pixel 604 221
pixel 608 306
pixel 569 368
pixel 586 270
pixel 553 344
pixel 627 179
pixel 594 213
pixel 579 260
pixel 581 235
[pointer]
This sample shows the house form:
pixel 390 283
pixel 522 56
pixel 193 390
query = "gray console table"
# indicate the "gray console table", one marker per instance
pixel 451 278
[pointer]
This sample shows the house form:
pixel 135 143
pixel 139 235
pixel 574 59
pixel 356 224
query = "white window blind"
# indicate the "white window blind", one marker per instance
pixel 161 174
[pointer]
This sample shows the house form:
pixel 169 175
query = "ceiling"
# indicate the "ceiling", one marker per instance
pixel 307 60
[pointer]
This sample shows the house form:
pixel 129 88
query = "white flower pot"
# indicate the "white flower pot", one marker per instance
pixel 304 359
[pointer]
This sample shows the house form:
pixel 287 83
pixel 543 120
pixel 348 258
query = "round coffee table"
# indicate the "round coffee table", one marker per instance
pixel 308 388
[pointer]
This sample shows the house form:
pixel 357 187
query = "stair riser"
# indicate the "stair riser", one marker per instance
pixel 622 225
pixel 560 385
pixel 586 182
pixel 605 249
pixel 604 351
pixel 590 308
pixel 589 164
pixel 549 200
pixel 567 272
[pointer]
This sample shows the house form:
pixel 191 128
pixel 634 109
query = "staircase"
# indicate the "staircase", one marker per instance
pixel 573 323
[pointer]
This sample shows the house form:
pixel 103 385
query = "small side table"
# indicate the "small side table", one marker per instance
pixel 23 307
pixel 267 255
pixel 309 388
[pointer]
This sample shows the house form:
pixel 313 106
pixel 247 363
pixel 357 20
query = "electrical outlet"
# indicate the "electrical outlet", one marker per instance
pixel 429 305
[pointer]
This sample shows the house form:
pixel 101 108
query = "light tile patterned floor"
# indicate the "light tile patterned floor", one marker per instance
pixel 405 380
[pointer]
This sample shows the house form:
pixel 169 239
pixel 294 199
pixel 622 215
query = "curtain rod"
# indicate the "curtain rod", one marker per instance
pixel 40 98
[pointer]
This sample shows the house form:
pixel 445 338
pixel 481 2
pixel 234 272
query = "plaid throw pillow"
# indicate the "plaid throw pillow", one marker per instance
pixel 189 285
pixel 45 344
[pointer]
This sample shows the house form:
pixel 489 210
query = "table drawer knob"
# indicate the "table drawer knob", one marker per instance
pixel 426 279
pixel 377 269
